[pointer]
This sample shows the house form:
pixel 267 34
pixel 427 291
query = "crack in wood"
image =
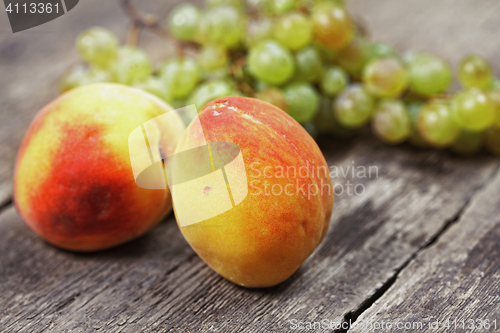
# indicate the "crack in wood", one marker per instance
pixel 6 204
pixel 345 277
pixel 351 316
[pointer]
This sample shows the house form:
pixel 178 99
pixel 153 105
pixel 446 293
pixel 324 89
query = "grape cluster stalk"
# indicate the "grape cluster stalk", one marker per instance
pixel 310 58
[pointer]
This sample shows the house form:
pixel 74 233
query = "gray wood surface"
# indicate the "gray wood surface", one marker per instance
pixel 426 223
pixel 454 284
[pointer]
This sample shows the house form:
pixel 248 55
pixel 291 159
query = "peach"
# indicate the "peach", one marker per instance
pixel 279 205
pixel 73 182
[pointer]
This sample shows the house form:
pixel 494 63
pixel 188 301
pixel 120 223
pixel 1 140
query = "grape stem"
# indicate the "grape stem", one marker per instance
pixel 142 20
pixel 237 66
pixel 133 34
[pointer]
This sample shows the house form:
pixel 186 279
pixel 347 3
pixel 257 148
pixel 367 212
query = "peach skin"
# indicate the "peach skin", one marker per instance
pixel 280 204
pixel 73 182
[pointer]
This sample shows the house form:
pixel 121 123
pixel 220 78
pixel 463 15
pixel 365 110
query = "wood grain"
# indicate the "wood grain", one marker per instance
pixel 157 283
pixel 454 281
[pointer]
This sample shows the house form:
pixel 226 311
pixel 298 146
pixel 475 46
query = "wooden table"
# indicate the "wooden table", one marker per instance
pixel 421 245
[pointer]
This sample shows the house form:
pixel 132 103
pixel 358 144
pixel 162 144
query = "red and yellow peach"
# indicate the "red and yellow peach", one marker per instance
pixel 266 237
pixel 73 182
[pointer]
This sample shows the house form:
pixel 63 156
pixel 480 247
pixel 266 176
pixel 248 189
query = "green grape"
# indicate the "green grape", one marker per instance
pixel 132 65
pixel 333 28
pixel 293 30
pixel 327 56
pixel 236 92
pixel 95 75
pixel 238 4
pixel 155 86
pixel 468 143
pixel 273 96
pixel 337 2
pixel 334 80
pixel 302 100
pixel 354 56
pixel 324 120
pixel 184 21
pixel 475 72
pixel 180 103
pixel 258 30
pixel 219 73
pixel 494 96
pixel 281 6
pixel 492 140
pixel 428 74
pixel 409 56
pixel 435 124
pixel 473 110
pixel 308 64
pixel 270 62
pixel 209 91
pixel 415 138
pixel 382 50
pixel 326 123
pixel 496 84
pixel 391 122
pixel 80 75
pixel 222 26
pixel 261 86
pixel 354 107
pixel 98 46
pixel 414 109
pixel 181 76
pixel 239 72
pixel 74 77
pixel 212 57
pixel 385 77
pixel 311 129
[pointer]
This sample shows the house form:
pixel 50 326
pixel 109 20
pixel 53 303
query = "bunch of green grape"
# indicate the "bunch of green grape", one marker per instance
pixel 315 62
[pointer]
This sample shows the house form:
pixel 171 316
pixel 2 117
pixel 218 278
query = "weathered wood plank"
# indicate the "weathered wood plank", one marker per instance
pixel 449 28
pixel 158 282
pixel 452 282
